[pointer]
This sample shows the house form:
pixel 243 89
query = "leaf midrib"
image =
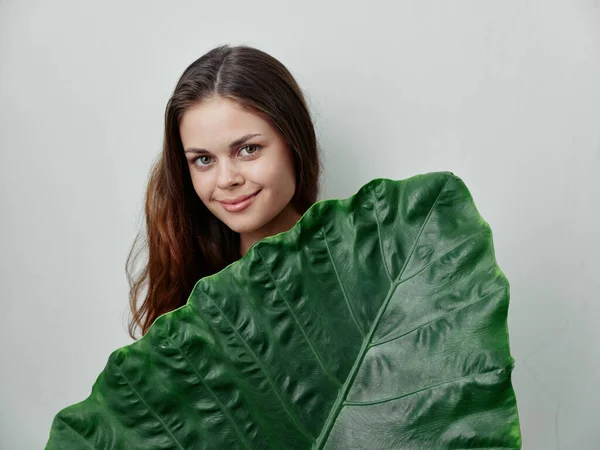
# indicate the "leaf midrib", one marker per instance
pixel 339 403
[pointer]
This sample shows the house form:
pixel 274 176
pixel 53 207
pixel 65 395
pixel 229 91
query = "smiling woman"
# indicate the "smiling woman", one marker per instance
pixel 240 162
pixel 247 184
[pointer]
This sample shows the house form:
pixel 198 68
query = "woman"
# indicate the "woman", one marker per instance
pixel 240 162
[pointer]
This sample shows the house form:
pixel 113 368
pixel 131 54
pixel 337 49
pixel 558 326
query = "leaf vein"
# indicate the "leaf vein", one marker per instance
pixel 76 432
pixel 454 380
pixel 288 411
pixel 149 409
pixel 441 256
pixel 306 338
pixel 337 407
pixel 387 269
pixel 452 311
pixel 412 251
pixel 215 397
pixel 352 313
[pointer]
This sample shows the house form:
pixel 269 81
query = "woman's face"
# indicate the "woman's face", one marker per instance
pixel 234 153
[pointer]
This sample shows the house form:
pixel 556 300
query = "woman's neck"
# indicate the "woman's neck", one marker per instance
pixel 284 221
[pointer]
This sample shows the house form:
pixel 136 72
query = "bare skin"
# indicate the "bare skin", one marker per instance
pixel 261 164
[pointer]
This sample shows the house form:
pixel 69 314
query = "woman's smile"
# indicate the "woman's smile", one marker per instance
pixel 239 205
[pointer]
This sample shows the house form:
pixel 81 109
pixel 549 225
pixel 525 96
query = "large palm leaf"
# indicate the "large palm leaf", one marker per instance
pixel 376 322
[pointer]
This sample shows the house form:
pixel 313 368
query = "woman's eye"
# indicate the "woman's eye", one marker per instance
pixel 204 161
pixel 250 149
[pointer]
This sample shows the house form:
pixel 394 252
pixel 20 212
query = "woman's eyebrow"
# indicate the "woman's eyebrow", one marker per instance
pixel 231 146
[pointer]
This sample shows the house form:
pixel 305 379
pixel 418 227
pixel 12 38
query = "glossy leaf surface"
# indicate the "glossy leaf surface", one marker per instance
pixel 377 322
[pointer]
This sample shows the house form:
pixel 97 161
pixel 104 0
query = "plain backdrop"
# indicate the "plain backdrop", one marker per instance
pixel 505 94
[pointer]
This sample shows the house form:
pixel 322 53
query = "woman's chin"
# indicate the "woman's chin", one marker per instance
pixel 242 226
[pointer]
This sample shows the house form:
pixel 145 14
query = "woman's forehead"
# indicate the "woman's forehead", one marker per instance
pixel 218 122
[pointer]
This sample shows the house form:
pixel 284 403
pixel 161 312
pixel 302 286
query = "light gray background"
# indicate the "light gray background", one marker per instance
pixel 505 94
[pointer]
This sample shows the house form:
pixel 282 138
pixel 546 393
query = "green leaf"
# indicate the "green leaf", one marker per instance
pixel 376 322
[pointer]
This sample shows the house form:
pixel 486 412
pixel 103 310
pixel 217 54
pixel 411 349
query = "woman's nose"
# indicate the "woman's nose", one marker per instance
pixel 229 175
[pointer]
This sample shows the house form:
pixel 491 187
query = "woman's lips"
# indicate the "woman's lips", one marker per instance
pixel 235 207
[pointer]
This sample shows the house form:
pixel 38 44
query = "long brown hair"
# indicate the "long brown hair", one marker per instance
pixel 185 241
